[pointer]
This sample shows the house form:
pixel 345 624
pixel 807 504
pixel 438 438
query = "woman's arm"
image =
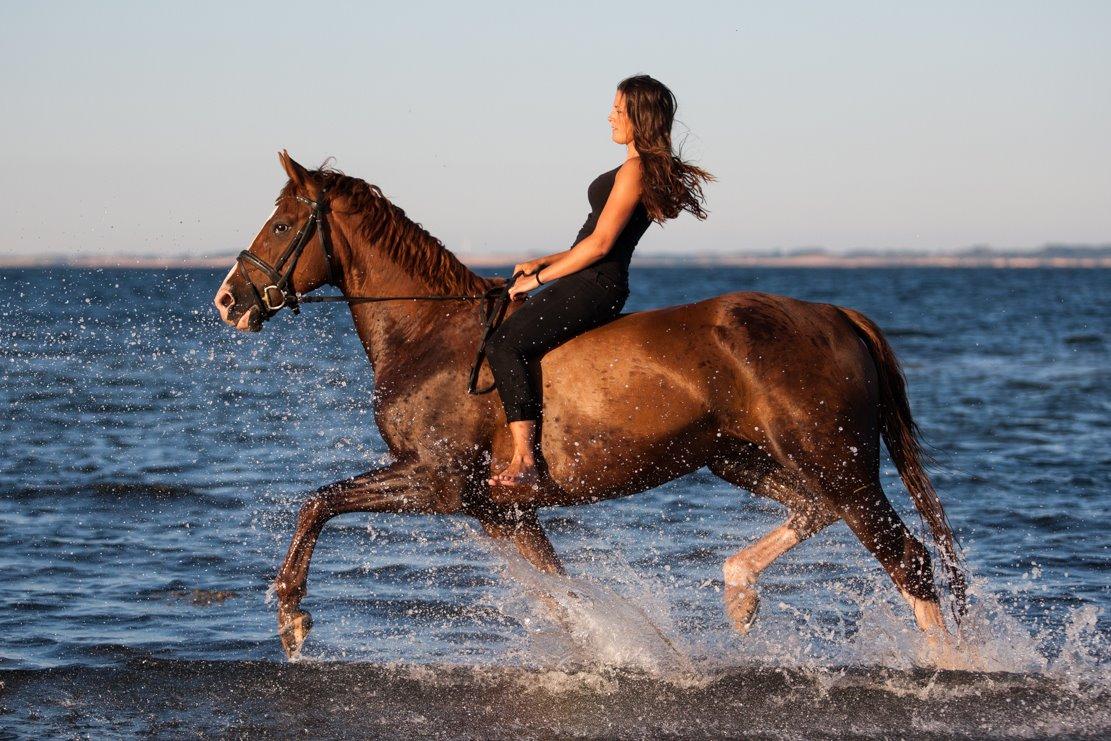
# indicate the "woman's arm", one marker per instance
pixel 615 215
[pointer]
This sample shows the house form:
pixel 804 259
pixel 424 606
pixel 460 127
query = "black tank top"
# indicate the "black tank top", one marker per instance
pixel 615 262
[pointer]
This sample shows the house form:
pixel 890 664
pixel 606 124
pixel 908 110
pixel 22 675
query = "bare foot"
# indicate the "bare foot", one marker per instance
pixel 519 472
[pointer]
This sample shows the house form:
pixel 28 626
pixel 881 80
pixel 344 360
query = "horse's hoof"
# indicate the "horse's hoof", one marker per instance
pixel 741 604
pixel 293 629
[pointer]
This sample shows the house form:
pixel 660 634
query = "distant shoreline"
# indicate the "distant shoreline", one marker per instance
pixel 1049 256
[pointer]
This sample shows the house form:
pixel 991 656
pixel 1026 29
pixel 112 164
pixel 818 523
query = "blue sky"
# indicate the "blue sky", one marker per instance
pixel 152 127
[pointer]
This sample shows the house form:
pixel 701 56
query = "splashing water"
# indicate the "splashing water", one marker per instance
pixel 577 621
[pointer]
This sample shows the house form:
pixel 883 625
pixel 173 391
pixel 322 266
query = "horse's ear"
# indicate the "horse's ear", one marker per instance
pixel 299 175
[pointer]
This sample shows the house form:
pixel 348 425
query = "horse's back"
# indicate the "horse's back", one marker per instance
pixel 764 318
pixel 697 356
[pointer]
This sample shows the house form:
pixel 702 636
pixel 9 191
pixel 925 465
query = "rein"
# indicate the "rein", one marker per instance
pixel 491 318
pixel 276 295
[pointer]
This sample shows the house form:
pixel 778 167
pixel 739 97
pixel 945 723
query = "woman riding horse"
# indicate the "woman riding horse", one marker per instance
pixel 592 278
pixel 788 399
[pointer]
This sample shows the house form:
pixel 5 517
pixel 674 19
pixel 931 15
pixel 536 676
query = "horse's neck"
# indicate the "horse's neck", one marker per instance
pixel 401 336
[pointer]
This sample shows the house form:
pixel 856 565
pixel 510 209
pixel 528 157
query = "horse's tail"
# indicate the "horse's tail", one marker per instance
pixel 901 434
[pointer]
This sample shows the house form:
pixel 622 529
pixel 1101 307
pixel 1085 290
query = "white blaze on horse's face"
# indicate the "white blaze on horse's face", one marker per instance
pixel 225 300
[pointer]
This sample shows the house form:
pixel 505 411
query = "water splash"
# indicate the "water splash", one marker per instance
pixel 579 621
pixel 616 619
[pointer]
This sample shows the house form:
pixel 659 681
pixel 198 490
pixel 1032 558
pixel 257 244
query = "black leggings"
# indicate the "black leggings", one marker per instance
pixel 571 305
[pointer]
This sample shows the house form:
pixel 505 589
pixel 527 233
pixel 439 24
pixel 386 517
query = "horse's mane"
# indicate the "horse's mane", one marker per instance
pixel 402 240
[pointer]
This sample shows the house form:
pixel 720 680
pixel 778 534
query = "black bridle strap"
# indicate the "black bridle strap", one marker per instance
pixel 280 280
pixel 491 319
pixel 302 298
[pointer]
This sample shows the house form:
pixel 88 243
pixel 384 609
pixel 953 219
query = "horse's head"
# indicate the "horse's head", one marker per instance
pixel 291 255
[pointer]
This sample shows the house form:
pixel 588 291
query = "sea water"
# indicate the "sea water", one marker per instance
pixel 153 461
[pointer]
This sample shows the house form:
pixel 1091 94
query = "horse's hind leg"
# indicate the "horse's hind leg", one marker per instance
pixel 850 489
pixel 743 568
pixel 875 522
pixel 808 514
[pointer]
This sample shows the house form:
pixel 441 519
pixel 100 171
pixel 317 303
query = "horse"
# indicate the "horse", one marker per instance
pixel 786 398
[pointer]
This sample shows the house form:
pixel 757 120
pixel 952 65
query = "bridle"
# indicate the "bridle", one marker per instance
pixel 278 294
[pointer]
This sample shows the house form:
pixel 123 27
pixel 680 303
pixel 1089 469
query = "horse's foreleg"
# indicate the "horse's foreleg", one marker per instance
pixel 397 488
pixel 527 534
pixel 523 530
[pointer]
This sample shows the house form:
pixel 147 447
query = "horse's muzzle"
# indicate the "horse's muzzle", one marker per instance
pixel 250 320
pixel 231 311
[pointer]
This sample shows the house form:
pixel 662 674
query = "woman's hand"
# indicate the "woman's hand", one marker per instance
pixel 531 266
pixel 522 286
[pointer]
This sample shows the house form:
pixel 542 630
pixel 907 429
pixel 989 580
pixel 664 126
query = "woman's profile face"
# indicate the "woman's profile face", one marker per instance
pixel 620 125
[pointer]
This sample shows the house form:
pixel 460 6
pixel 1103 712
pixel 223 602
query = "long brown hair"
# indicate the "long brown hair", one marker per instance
pixel 671 185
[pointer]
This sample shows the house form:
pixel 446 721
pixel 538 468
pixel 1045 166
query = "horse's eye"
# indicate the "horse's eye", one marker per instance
pixel 280 228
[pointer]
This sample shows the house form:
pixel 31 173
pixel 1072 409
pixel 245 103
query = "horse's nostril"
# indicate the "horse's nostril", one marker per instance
pixel 225 300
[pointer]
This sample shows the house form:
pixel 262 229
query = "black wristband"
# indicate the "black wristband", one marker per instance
pixel 537 274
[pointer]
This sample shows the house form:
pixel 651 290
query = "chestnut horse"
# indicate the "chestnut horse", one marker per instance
pixel 788 399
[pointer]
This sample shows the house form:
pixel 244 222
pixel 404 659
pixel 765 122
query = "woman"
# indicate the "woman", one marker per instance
pixel 592 278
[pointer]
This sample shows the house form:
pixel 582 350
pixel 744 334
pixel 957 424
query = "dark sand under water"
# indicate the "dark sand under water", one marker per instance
pixel 264 699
